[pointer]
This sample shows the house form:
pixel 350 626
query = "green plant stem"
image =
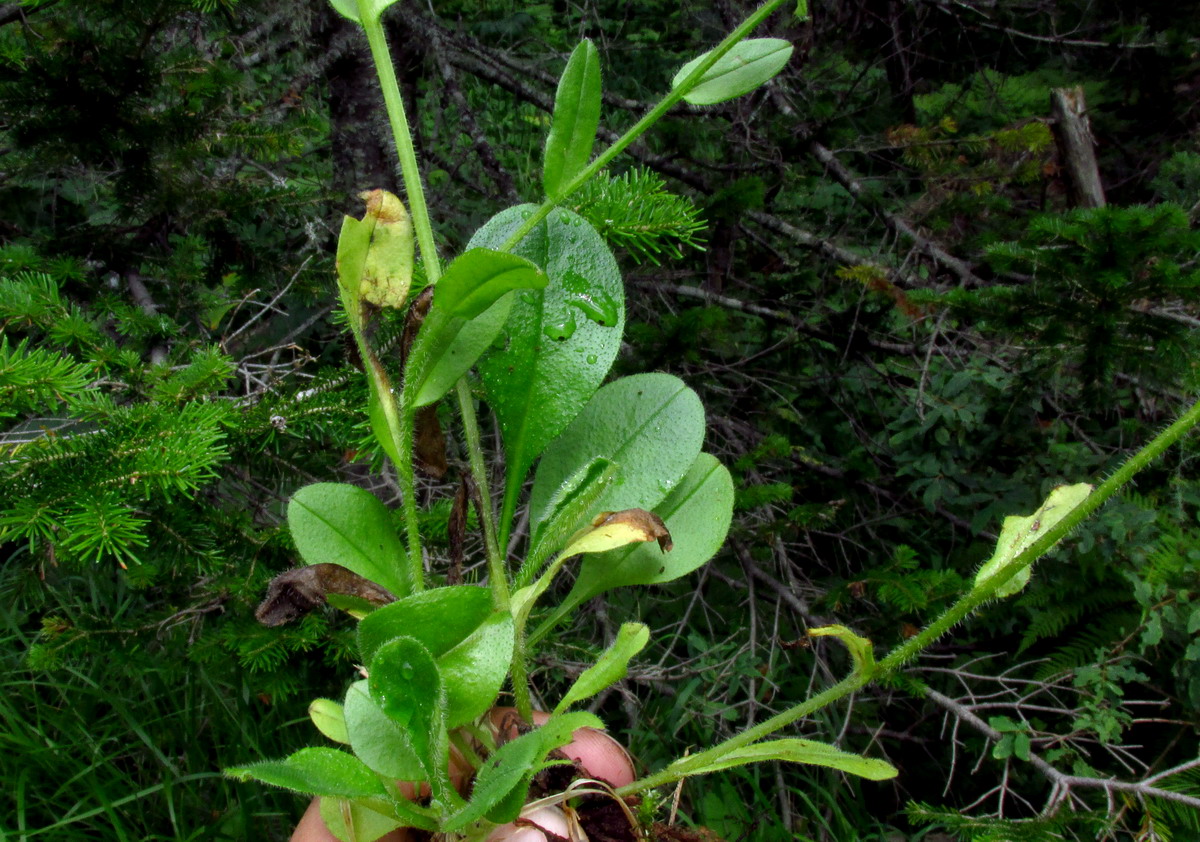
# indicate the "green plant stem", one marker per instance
pixel 649 119
pixel 415 193
pixel 520 678
pixel 497 575
pixel 422 226
pixel 914 645
pixel 978 595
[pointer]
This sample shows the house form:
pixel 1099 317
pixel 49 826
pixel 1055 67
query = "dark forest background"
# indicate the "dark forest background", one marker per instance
pixel 910 317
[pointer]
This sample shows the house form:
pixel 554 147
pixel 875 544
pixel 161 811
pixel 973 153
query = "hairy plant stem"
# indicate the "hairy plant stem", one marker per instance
pixel 910 648
pixel 496 572
pixel 394 105
pixel 423 228
pixel 649 119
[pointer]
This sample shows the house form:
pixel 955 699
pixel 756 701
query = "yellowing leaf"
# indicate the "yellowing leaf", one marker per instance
pixel 611 530
pixel 388 267
pixel 1018 533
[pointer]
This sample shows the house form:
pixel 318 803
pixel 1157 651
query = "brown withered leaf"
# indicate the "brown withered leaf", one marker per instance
pixel 456 528
pixel 294 593
pixel 642 520
pixel 413 320
pixel 429 442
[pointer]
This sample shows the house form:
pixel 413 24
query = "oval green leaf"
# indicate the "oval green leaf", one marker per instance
pixel 576 118
pixel 748 65
pixel 343 524
pixel 697 514
pixel 330 719
pixel 558 343
pixel 405 682
pixel 315 771
pixel 377 740
pixel 651 425
pixel 474 670
pixel 440 618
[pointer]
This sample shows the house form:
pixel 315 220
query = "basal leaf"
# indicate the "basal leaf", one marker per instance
pixel 793 751
pixel 612 666
pixel 474 670
pixel 315 771
pixel 513 765
pixel 558 343
pixel 440 618
pixel 346 525
pixel 697 514
pixel 576 118
pixel 365 824
pixel 651 425
pixel 748 65
pixel 378 740
pixel 405 682
pixel 330 719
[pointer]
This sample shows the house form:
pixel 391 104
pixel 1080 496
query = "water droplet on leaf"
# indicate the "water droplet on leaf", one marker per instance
pixel 562 330
pixel 591 359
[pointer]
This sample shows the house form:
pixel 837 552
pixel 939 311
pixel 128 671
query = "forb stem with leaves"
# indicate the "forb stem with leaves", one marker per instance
pixel 534 307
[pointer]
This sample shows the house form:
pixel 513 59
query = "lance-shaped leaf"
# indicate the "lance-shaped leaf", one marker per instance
pixel 343 524
pixel 477 279
pixel 611 668
pixel 748 65
pixel 558 343
pixel 651 425
pixel 1018 533
pixel 697 514
pixel 330 719
pixel 470 306
pixel 576 117
pixel 861 651
pixel 315 771
pixel 792 751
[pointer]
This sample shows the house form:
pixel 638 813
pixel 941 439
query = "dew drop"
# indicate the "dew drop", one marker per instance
pixel 407 671
pixel 591 359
